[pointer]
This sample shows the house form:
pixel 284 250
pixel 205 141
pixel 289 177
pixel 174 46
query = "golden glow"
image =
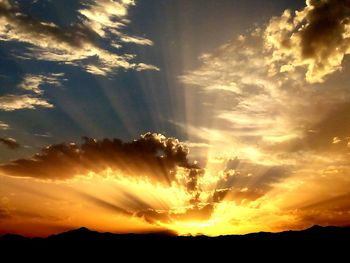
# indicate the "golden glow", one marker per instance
pixel 273 146
pixel 56 206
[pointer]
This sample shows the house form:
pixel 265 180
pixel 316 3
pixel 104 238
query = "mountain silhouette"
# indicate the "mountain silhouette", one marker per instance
pixel 313 242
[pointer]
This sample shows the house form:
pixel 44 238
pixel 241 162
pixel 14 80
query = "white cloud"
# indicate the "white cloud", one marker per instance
pixel 75 44
pixel 32 82
pixel 136 40
pixel 4 126
pixel 142 66
pixel 105 16
pixel 17 102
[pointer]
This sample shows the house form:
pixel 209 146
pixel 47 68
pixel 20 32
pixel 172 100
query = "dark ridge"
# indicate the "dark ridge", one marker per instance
pixel 314 241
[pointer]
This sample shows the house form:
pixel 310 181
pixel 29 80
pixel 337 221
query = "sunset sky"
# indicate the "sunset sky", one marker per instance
pixel 195 116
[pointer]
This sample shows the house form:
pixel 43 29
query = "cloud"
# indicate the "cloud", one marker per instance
pixel 258 105
pixel 153 156
pixel 154 217
pixel 136 40
pixel 317 38
pixel 100 16
pixel 142 66
pixel 269 119
pixel 76 44
pixel 17 102
pixel 32 82
pixel 109 17
pixel 4 126
pixel 10 143
pixel 132 205
pixel 252 100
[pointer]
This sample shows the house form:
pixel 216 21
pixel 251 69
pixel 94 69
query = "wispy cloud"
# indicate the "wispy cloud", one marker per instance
pixel 33 82
pixel 17 102
pixel 136 40
pixel 77 44
pixel 106 17
pixel 10 143
pixel 4 126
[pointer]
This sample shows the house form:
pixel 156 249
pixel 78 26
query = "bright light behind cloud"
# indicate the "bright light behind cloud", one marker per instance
pixel 265 130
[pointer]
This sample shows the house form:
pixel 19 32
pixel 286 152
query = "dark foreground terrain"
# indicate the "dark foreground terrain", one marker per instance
pixel 315 242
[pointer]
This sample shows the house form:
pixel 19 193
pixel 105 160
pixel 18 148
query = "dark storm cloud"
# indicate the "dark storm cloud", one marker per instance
pixel 152 156
pixel 10 143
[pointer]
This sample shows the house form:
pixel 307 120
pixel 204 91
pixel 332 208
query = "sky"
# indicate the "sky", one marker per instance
pixel 192 116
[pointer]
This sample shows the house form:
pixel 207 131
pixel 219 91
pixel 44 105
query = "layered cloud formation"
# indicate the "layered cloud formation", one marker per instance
pixel 77 44
pixel 279 114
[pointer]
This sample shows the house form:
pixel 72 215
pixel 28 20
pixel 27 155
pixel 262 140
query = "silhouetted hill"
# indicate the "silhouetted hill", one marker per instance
pixel 313 242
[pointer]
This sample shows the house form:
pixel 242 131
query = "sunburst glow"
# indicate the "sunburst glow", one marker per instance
pixel 198 117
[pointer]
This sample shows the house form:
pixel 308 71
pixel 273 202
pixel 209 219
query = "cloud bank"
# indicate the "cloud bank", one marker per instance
pixel 153 155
